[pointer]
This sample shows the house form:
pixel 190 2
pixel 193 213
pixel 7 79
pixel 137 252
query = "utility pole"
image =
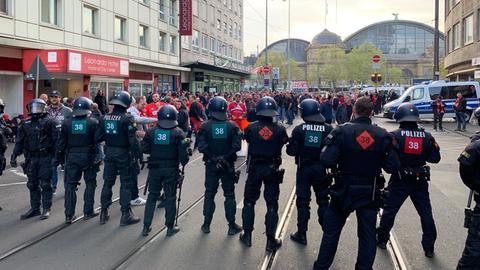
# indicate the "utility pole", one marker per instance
pixel 289 78
pixel 436 53
pixel 266 37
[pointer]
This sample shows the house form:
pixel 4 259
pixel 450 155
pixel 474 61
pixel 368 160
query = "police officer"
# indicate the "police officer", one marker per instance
pixel 3 148
pixel 37 139
pixel 470 173
pixel 122 151
pixel 78 140
pixel 219 140
pixel 358 151
pixel 167 146
pixel 266 139
pixel 416 147
pixel 306 142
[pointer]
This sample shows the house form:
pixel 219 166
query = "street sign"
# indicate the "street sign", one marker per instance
pixel 276 73
pixel 37 72
pixel 375 65
pixel 266 82
pixel 376 58
pixel 477 74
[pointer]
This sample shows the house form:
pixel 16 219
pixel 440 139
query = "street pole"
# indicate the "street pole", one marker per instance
pixel 289 79
pixel 37 79
pixel 436 56
pixel 266 38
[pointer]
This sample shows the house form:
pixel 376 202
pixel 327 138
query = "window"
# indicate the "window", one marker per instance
pixel 213 44
pixel 3 6
pixel 161 9
pixel 468 30
pixel 195 40
pixel 450 92
pixel 50 10
pixel 235 33
pixel 120 28
pixel 146 2
pixel 211 15
pixel 450 41
pixel 90 20
pixel 230 28
pixel 240 33
pixel 173 44
pixel 205 43
pixel 225 27
pixel 173 13
pixel 203 10
pixel 219 25
pixel 195 8
pixel 162 37
pixel 418 93
pixel 143 35
pixel 456 36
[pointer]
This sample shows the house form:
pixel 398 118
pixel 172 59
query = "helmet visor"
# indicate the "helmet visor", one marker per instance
pixel 36 108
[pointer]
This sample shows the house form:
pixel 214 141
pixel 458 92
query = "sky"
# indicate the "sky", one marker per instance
pixel 344 17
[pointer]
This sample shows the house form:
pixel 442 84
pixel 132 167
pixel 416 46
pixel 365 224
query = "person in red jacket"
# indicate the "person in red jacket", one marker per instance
pixel 152 108
pixel 237 111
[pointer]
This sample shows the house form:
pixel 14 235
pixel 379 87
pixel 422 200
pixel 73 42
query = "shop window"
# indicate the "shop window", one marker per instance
pixel 161 41
pixel 143 36
pixel 90 20
pixel 120 29
pixel 468 30
pixel 50 11
pixel 114 88
pixel 173 44
pixel 95 87
pixel 147 89
pixel 135 89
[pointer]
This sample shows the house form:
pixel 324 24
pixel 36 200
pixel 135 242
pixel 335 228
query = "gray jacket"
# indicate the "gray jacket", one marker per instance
pixel 60 113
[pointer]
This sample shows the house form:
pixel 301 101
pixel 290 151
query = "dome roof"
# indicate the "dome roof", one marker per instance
pixel 326 38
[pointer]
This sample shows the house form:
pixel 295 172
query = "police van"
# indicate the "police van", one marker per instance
pixel 423 95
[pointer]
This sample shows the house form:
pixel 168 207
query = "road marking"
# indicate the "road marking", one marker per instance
pixel 394 250
pixel 240 204
pixel 13 184
pixel 16 172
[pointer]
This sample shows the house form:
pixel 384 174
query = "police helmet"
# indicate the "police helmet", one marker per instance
pixel 266 106
pixel 310 110
pixel 36 106
pixel 217 108
pixel 167 117
pixel 82 106
pixel 407 112
pixel 121 98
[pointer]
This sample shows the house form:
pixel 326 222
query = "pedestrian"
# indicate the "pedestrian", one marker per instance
pixel 289 108
pixel 306 142
pixel 460 107
pixel 357 151
pixel 3 148
pixel 469 172
pixel 37 140
pixel 101 101
pixel 438 107
pixel 152 108
pixel 60 112
pixel 265 139
pixel 326 110
pixel 80 135
pixel 335 102
pixel 122 151
pixel 219 140
pixel 416 147
pixel 166 146
pixel 344 111
pixel 280 99
pixel 44 97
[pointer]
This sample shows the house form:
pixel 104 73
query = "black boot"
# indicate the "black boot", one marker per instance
pixel 45 214
pixel 104 216
pixel 128 218
pixel 91 215
pixel 246 238
pixel 206 227
pixel 234 228
pixel 429 253
pixel 146 230
pixel 299 237
pixel 273 244
pixel 69 219
pixel 172 230
pixel 31 213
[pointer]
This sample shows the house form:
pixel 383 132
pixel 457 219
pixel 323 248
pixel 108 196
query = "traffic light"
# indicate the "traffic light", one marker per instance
pixel 376 77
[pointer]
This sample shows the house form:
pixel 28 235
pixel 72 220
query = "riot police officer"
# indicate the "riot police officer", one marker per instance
pixel 122 151
pixel 357 151
pixel 37 140
pixel 416 147
pixel 305 143
pixel 470 173
pixel 78 140
pixel 167 146
pixel 219 140
pixel 266 139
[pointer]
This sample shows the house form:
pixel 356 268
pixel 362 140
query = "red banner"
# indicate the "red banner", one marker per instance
pixel 54 60
pixel 185 18
pixel 94 64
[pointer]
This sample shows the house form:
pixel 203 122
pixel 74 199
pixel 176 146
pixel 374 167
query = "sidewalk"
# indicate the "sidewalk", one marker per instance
pixel 451 125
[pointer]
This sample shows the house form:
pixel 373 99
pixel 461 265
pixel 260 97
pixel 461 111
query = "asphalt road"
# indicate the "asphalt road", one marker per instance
pixel 87 245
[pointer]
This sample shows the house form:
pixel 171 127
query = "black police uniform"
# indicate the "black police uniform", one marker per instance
pixel 219 141
pixel 37 139
pixel 359 150
pixel 265 142
pixel 121 152
pixel 78 141
pixel 470 173
pixel 416 147
pixel 167 148
pixel 3 148
pixel 306 142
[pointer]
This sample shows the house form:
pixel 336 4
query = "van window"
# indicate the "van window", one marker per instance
pixel 418 93
pixel 435 91
pixel 450 92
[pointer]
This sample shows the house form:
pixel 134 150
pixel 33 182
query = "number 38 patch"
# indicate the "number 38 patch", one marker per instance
pixel 219 131
pixel 413 146
pixel 79 127
pixel 162 137
pixel 313 139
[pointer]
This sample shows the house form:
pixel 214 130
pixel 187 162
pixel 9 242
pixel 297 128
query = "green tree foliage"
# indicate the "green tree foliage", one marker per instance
pixel 394 75
pixel 279 60
pixel 358 64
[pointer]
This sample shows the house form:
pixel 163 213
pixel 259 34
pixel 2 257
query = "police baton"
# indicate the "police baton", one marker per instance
pixel 182 175
pixel 468 211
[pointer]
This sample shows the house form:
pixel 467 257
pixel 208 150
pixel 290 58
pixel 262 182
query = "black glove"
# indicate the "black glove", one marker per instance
pixel 13 161
pixel 180 179
pixel 222 164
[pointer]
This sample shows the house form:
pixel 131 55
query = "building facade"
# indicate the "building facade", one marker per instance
pixel 87 46
pixel 214 52
pixel 462 25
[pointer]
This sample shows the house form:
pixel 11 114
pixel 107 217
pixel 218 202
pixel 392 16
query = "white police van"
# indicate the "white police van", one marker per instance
pixel 423 95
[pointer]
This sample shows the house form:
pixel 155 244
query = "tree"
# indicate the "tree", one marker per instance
pixel 443 70
pixel 359 62
pixel 333 69
pixel 394 75
pixel 278 60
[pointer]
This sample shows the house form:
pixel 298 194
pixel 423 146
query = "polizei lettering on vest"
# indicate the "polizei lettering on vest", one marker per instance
pixel 113 117
pixel 314 128
pixel 412 133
